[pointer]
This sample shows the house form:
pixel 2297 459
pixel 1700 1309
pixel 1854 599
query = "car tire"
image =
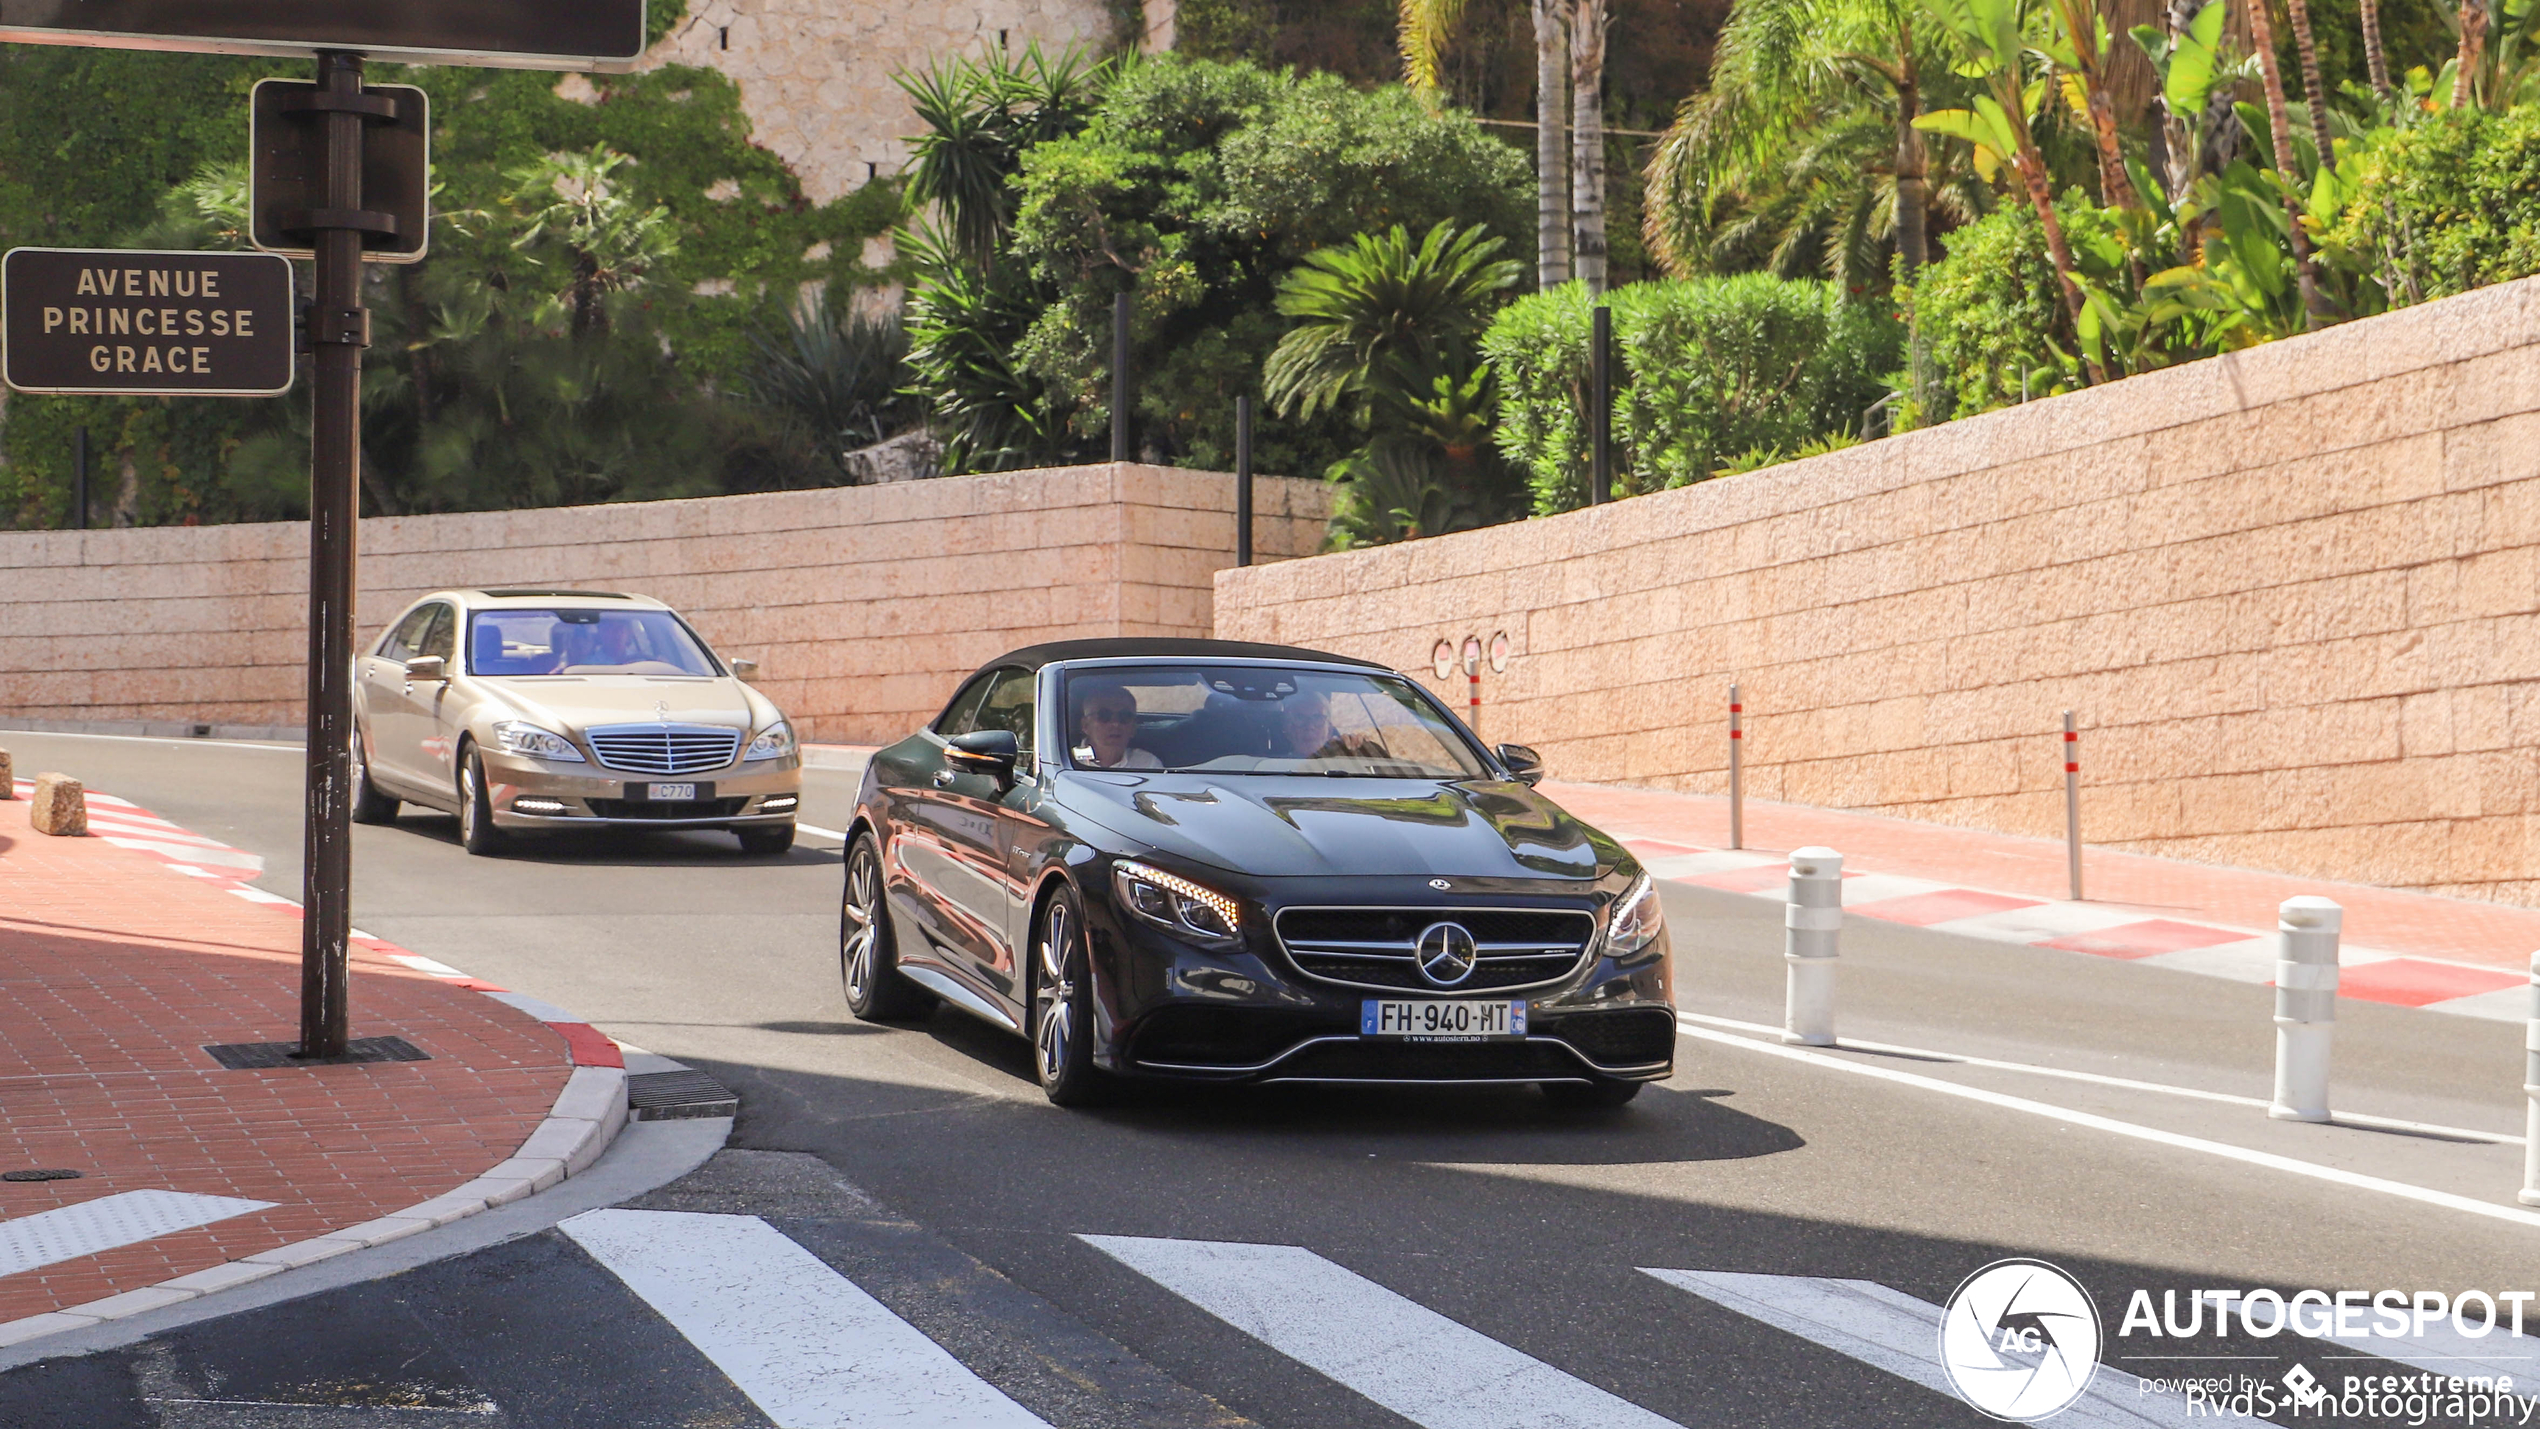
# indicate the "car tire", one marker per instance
pixel 868 966
pixel 369 805
pixel 765 840
pixel 477 833
pixel 1063 1006
pixel 1602 1093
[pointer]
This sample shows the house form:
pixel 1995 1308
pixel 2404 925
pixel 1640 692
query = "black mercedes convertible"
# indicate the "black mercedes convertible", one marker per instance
pixel 1214 861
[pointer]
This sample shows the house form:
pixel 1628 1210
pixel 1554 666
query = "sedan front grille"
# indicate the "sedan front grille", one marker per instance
pixel 1378 947
pixel 665 748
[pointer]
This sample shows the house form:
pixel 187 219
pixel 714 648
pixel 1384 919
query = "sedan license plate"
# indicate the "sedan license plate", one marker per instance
pixel 670 793
pixel 1441 1021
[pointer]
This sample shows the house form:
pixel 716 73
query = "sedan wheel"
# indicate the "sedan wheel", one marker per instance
pixel 477 833
pixel 867 969
pixel 369 805
pixel 1062 1007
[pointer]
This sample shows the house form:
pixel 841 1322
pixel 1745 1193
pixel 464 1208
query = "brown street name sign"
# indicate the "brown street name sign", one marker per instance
pixel 527 34
pixel 121 322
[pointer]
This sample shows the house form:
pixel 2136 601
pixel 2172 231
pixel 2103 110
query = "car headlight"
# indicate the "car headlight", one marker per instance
pixel 777 739
pixel 1169 901
pixel 1637 922
pixel 521 737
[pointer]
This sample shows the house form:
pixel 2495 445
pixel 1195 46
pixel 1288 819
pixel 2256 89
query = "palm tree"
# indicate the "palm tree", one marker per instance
pixel 577 201
pixel 1783 70
pixel 2314 92
pixel 1587 141
pixel 1552 200
pixel 2288 172
pixel 980 115
pixel 2082 49
pixel 2473 42
pixel 1383 311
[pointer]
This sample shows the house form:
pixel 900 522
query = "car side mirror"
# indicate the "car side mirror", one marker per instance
pixel 1524 765
pixel 427 667
pixel 992 752
pixel 745 671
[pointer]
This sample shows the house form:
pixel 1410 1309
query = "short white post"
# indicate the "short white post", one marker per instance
pixel 2305 1006
pixel 1737 770
pixel 2531 1091
pixel 2072 803
pixel 1811 942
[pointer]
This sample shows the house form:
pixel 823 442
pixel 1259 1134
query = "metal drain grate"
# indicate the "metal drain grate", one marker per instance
pixel 265 1056
pixel 672 1096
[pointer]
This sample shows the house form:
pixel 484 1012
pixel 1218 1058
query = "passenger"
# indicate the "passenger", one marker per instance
pixel 1305 732
pixel 1109 716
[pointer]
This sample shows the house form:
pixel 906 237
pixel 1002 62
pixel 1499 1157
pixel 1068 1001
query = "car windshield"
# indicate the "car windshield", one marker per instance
pixel 1260 719
pixel 568 641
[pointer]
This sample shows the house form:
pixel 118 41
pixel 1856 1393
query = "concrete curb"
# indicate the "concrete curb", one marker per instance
pixel 585 1118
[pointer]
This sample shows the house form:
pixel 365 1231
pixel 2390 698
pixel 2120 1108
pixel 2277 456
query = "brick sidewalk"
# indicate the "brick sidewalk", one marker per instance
pixel 2406 948
pixel 116 970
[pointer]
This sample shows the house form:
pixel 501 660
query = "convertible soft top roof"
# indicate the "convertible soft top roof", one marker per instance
pixel 1035 656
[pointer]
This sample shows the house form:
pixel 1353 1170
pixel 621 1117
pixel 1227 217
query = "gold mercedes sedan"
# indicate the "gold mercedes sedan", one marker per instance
pixel 571 709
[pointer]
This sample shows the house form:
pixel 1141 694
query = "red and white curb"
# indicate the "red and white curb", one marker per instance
pixel 585 1118
pixel 2102 930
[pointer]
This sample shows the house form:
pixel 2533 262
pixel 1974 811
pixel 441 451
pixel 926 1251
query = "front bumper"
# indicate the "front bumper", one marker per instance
pixel 584 796
pixel 1250 1013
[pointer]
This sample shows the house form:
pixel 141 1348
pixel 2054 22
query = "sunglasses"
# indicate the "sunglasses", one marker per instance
pixel 1111 716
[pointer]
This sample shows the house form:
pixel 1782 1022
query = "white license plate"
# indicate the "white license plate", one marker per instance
pixel 670 793
pixel 1439 1021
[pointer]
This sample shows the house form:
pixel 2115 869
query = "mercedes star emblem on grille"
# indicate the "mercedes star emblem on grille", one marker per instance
pixel 1447 953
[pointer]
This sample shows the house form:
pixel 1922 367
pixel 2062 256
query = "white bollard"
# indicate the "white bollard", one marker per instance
pixel 2305 1006
pixel 2531 1091
pixel 1812 929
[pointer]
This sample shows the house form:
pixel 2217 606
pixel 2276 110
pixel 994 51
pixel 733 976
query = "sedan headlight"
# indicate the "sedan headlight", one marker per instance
pixel 1637 922
pixel 777 739
pixel 1172 902
pixel 521 737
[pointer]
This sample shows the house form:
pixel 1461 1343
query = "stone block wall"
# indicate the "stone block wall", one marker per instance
pixel 2293 593
pixel 863 605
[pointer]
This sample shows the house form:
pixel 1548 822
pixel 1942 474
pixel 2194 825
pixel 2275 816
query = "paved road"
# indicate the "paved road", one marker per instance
pixel 1317 1258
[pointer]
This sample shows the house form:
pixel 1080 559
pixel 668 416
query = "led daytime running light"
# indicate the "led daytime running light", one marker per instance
pixel 1224 907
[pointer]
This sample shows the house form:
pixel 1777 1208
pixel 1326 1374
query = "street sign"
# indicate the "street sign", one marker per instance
pixel 286 149
pixel 605 35
pixel 130 323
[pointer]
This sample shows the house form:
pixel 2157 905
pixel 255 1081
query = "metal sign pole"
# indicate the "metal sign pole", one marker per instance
pixel 79 461
pixel 339 330
pixel 1243 481
pixel 1601 407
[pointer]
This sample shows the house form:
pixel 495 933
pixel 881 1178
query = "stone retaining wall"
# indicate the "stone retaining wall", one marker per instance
pixel 862 604
pixel 2294 594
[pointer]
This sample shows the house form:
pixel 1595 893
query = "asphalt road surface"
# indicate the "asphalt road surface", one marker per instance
pixel 1765 1239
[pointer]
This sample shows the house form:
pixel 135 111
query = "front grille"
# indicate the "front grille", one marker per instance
pixel 642 809
pixel 1377 947
pixel 666 748
pixel 1626 1037
pixel 1224 1036
pixel 1429 1062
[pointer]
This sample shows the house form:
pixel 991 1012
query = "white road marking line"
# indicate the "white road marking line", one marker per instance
pixel 2268 1160
pixel 2128 1083
pixel 422 964
pixel 1892 1331
pixel 543 1011
pixel 1397 1352
pixel 93 1227
pixel 2442 1349
pixel 278 748
pixel 817 831
pixel 191 853
pixel 809 1347
pixel 2505 1004
pixel 1694 865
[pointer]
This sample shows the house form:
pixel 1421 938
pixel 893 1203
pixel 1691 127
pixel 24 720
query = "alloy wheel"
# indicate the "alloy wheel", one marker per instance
pixel 858 932
pixel 1054 1026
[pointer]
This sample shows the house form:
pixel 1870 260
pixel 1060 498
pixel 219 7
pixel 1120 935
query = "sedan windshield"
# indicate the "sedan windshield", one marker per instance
pixel 583 642
pixel 1260 719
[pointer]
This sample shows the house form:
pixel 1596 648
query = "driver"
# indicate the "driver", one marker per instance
pixel 621 643
pixel 1107 718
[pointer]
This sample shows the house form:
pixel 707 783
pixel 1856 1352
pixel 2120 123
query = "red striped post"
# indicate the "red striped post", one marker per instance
pixel 1473 677
pixel 1737 780
pixel 2072 802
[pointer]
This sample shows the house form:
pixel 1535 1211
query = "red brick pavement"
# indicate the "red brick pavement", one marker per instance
pixel 116 971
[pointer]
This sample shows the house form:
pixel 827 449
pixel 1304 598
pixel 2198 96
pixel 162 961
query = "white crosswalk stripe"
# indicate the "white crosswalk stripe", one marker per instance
pixel 809 1347
pixel 1397 1352
pixel 1890 1330
pixel 108 1223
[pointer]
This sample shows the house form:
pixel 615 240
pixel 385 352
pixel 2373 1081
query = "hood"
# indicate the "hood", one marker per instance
pixel 569 704
pixel 1272 827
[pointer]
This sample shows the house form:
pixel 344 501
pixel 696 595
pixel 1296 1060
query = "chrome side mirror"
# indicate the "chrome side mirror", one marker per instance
pixel 1524 765
pixel 425 668
pixel 745 671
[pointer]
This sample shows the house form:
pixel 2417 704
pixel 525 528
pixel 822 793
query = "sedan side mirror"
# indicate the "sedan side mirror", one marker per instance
pixel 992 752
pixel 745 671
pixel 427 667
pixel 1524 765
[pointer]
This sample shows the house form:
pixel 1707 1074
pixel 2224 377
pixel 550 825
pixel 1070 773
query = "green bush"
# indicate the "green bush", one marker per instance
pixel 2449 204
pixel 1991 315
pixel 1706 368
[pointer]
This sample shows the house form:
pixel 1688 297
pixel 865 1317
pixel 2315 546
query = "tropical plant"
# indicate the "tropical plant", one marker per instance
pixel 837 374
pixel 1383 314
pixel 1565 193
pixel 2444 206
pixel 579 214
pixel 980 115
pixel 1552 200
